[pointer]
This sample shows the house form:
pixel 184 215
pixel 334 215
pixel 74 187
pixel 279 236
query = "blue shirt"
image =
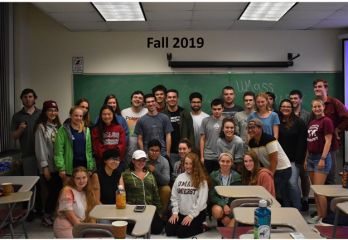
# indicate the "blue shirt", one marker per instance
pixel 268 122
pixel 79 145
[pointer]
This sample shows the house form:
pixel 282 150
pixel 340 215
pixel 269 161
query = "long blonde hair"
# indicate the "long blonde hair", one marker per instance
pixel 73 109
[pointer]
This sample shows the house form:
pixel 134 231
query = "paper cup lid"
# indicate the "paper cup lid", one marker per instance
pixel 119 223
pixel 6 183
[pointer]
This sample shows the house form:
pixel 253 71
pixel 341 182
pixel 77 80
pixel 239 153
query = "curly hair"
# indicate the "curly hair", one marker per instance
pixel 224 121
pixel 199 173
pixel 90 198
pixel 86 117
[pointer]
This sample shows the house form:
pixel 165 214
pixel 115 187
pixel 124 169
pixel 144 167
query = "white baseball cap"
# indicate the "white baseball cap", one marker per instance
pixel 139 154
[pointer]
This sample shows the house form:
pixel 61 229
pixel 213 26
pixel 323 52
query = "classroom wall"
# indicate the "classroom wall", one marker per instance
pixel 44 51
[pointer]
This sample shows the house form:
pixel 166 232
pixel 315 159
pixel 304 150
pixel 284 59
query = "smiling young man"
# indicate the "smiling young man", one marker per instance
pixel 159 167
pixel 160 92
pixel 182 124
pixel 210 130
pixel 132 115
pixel 197 116
pixel 242 117
pixel 271 154
pixel 230 109
pixel 338 113
pixel 154 125
pixel 22 126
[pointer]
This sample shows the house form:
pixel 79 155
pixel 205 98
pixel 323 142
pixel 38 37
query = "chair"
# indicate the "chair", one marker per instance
pixel 92 230
pixel 340 231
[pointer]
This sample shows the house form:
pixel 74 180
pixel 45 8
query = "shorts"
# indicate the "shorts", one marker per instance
pixel 313 161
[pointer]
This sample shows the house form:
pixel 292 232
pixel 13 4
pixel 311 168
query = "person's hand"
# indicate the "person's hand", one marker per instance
pixel 173 218
pixel 62 174
pixel 337 131
pixel 225 220
pixel 47 173
pixel 321 164
pixel 168 154
pixel 90 173
pixel 160 215
pixel 227 209
pixel 202 160
pixel 305 165
pixel 186 221
pixel 22 126
pixel 151 168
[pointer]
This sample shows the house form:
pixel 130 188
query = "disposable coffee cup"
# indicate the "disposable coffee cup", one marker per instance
pixel 119 229
pixel 7 187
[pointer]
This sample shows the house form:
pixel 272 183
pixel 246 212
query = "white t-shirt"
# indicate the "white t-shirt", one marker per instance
pixel 131 119
pixel 197 122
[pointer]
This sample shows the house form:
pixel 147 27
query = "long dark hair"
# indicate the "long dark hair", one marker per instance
pixel 43 119
pixel 101 125
pixel 86 117
pixel 251 176
pixel 111 96
pixel 292 117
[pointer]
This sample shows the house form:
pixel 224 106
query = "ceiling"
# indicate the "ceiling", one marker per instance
pixel 198 16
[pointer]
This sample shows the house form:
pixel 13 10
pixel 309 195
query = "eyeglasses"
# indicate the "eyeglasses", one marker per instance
pixel 153 151
pixel 52 111
pixel 196 102
pixel 114 159
pixel 251 128
pixel 288 107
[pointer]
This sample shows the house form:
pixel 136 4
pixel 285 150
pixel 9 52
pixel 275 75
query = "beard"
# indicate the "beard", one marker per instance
pixel 196 109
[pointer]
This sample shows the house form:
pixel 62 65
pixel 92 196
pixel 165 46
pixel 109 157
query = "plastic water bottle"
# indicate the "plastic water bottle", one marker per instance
pixel 120 198
pixel 262 221
pixel 345 176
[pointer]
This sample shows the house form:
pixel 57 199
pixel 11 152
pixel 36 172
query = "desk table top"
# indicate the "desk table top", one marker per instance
pixel 16 197
pixel 309 235
pixel 330 190
pixel 27 182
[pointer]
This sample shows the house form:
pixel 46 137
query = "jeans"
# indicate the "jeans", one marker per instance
pixel 292 192
pixel 281 178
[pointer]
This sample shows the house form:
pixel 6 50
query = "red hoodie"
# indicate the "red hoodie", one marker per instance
pixel 265 179
pixel 114 136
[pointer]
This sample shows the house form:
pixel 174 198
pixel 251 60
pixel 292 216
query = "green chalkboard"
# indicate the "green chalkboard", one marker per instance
pixel 96 87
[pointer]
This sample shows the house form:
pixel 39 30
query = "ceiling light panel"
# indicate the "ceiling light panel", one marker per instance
pixel 120 11
pixel 266 11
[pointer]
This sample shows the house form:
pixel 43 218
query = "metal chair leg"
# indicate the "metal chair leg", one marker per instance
pixel 234 229
pixel 25 230
pixel 11 230
pixel 335 224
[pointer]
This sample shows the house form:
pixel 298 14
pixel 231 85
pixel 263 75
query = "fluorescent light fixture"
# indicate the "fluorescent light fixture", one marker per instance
pixel 120 11
pixel 266 11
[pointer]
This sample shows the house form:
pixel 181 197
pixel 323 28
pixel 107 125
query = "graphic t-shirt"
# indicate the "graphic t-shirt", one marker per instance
pixel 230 112
pixel 317 130
pixel 175 120
pixel 242 127
pixel 211 128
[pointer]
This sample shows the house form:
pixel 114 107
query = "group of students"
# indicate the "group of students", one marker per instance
pixel 174 159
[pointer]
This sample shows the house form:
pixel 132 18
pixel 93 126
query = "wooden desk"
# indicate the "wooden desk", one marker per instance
pixel 246 192
pixel 287 217
pixel 142 220
pixel 27 182
pixel 330 190
pixel 309 235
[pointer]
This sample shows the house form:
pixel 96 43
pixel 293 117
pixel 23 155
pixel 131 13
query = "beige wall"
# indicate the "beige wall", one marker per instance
pixel 44 51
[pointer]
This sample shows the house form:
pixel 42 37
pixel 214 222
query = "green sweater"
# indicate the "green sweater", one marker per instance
pixel 64 153
pixel 214 197
pixel 186 125
pixel 142 192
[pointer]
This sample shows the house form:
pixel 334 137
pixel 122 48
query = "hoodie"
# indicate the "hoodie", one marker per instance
pixel 265 179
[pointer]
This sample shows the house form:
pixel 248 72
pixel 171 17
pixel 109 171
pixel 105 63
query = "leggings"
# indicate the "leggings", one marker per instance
pixel 182 231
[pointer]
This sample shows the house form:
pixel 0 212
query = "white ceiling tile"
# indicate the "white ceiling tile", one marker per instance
pixel 251 25
pixel 343 24
pixel 315 6
pixel 77 17
pixel 211 25
pixel 224 6
pixel 296 15
pixel 165 16
pixel 86 26
pixel 339 15
pixel 169 25
pixel 294 24
pixel 170 6
pixel 131 26
pixel 65 6
pixel 216 15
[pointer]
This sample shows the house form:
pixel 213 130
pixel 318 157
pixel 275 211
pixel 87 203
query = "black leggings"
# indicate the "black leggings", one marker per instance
pixel 54 186
pixel 156 225
pixel 182 231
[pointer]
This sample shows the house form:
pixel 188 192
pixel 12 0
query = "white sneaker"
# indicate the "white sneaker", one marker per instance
pixel 314 220
pixel 320 223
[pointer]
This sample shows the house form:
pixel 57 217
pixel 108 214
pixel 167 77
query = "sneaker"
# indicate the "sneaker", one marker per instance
pixel 314 220
pixel 205 227
pixel 314 214
pixel 320 223
pixel 31 216
pixel 305 206
pixel 46 222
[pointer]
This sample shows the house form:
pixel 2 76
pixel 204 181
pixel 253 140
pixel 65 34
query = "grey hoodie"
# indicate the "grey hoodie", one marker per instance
pixel 44 146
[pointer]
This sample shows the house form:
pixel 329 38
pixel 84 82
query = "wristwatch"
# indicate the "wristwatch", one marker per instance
pixel 324 158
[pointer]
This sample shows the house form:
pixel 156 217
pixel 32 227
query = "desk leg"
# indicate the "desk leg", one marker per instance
pixel 148 235
pixel 234 229
pixel 335 224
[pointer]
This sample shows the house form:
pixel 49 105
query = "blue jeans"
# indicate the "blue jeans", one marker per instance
pixel 292 192
pixel 281 178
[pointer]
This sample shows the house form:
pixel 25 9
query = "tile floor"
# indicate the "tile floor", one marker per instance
pixel 35 231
